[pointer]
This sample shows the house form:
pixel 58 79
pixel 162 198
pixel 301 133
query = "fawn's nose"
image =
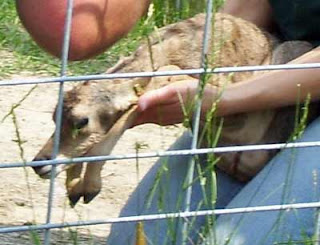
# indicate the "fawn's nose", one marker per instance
pixel 43 171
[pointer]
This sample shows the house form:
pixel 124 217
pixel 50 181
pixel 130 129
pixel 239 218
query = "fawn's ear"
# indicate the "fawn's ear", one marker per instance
pixel 140 84
pixel 127 94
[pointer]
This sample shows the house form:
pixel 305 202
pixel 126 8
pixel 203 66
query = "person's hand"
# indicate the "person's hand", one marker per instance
pixel 164 106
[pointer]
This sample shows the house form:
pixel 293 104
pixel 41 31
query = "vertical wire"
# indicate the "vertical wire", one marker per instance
pixel 64 63
pixel 178 5
pixel 317 229
pixel 196 117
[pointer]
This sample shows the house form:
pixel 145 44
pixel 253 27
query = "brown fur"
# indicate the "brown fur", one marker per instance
pixel 110 106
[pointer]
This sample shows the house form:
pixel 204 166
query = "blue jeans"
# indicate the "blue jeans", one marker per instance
pixel 291 177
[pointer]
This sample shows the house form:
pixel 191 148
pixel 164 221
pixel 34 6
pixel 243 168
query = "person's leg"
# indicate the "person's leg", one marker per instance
pixel 162 191
pixel 291 177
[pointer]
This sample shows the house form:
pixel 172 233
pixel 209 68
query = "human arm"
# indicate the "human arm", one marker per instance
pixel 270 90
pixel 96 24
pixel 274 89
pixel 258 12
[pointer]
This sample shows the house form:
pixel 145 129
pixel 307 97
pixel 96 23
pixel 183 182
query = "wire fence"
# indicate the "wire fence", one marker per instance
pixel 193 151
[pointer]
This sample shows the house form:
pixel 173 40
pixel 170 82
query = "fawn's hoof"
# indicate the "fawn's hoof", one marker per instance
pixel 73 199
pixel 87 197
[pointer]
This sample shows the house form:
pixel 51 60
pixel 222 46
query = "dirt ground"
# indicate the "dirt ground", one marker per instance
pixel 18 206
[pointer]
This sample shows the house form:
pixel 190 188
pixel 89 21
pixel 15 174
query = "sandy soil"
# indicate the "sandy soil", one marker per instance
pixel 23 195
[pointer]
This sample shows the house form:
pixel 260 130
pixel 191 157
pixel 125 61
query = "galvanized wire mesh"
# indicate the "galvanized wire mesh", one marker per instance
pixel 193 151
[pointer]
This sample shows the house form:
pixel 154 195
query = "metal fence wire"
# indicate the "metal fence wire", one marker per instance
pixel 48 225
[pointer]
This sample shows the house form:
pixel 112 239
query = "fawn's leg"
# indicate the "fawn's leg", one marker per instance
pixel 92 181
pixel 74 183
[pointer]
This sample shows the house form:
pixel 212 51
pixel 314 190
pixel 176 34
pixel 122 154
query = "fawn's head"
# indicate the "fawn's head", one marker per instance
pixel 94 116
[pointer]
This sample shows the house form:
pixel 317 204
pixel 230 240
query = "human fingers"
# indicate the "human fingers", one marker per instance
pixel 162 115
pixel 164 106
pixel 168 94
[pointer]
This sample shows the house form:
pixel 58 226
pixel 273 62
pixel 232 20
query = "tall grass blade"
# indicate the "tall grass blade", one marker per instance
pixel 140 236
pixel 35 238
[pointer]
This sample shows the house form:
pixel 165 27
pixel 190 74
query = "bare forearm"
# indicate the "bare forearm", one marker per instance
pixel 274 89
pixel 256 11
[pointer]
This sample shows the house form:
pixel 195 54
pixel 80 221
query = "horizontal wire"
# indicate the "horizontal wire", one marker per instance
pixel 198 151
pixel 158 73
pixel 152 217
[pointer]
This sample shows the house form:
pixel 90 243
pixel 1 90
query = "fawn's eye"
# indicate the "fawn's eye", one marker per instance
pixel 81 123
